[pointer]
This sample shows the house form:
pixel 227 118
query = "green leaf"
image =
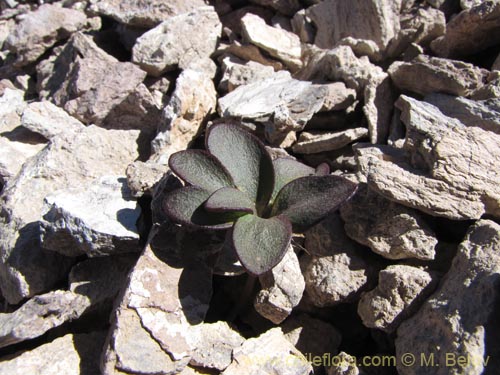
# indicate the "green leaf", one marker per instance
pixel 287 170
pixel 185 206
pixel 246 159
pixel 261 243
pixel 307 200
pixel 199 168
pixel 229 199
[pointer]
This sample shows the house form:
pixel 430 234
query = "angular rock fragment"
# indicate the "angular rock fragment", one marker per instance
pixel 269 353
pixel 400 291
pixel 459 318
pixel 339 97
pixel 304 332
pixel 214 345
pixel 318 141
pixel 39 30
pixel 281 44
pixel 142 177
pixel 282 289
pixel 425 75
pixel 379 104
pixel 237 73
pixel 389 229
pixel 346 365
pixel 71 159
pixel 144 13
pixel 95 220
pixel 481 113
pixel 376 21
pixel 471 31
pixel 193 100
pixel 96 88
pixel 280 102
pixel 72 354
pixel 185 41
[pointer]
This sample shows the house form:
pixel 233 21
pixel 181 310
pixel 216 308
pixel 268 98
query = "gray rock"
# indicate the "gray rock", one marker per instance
pixel 249 52
pixel 72 354
pixel 312 336
pixel 471 31
pixel 287 7
pixel 400 292
pixel 280 102
pixel 142 177
pixel 484 113
pixel 457 318
pixel 388 228
pixel 181 41
pixel 468 4
pixel 319 141
pixel 214 345
pixel 270 353
pixel 303 27
pixel 424 75
pixel 376 21
pixel 94 220
pixel 347 365
pixel 281 44
pixel 237 73
pixel 490 90
pixel 339 97
pixel 335 278
pixel 39 30
pixel 71 159
pixel 193 100
pixel 144 13
pixel 282 289
pixel 154 325
pixel 378 108
pixel 96 88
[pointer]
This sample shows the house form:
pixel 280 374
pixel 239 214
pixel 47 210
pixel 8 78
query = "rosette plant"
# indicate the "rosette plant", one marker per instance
pixel 236 185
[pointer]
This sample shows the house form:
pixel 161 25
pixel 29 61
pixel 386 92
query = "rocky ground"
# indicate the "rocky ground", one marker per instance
pixel 402 96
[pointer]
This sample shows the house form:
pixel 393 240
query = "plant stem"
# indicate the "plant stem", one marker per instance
pixel 244 298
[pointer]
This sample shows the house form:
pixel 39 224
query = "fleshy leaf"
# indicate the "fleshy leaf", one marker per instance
pixel 287 170
pixel 229 199
pixel 261 243
pixel 199 168
pixel 246 159
pixel 185 206
pixel 307 200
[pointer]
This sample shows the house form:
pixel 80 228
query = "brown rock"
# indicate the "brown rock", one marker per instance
pixel 318 141
pixel 237 73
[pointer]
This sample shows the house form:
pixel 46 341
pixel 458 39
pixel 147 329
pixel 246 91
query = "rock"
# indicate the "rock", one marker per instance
pixel 96 88
pixel 232 20
pixel 376 21
pixel 142 177
pixel 286 7
pixel 468 4
pixel 458 317
pixel 281 44
pixel 336 278
pixel 424 75
pixel 94 220
pixel 72 354
pixel 471 31
pixel 144 13
pixel 489 91
pixel 249 52
pixel 39 30
pixel 237 73
pixel 389 229
pixel 460 156
pixel 484 113
pixel 71 159
pixel 214 345
pixel 319 141
pixel 280 102
pixel 339 97
pixel 496 63
pixel 282 289
pixel 270 353
pixel 167 295
pixel 180 41
pixel 303 332
pixel 303 27
pixel 346 365
pixel 378 108
pixel 401 290
pixel 16 143
pixel 40 314
pixel 193 100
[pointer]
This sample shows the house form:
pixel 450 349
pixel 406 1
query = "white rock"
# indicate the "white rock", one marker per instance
pixel 319 141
